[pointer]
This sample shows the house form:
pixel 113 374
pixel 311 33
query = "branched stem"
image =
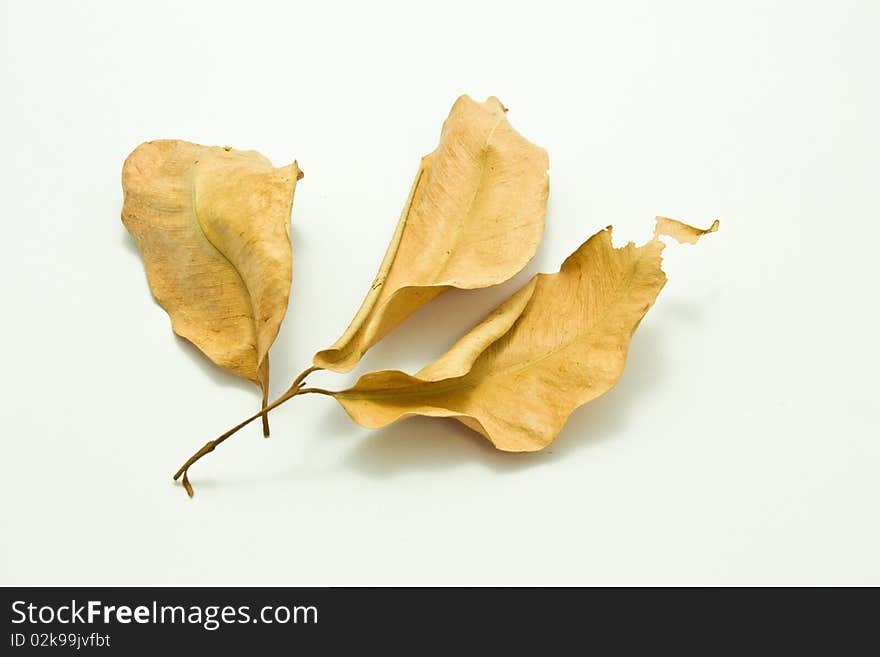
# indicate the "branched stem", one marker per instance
pixel 296 388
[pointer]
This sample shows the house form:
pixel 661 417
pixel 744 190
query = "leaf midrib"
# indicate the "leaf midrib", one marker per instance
pixel 201 228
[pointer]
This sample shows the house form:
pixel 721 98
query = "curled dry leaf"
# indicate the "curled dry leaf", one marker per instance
pixel 213 227
pixel 474 218
pixel 558 343
pixel 682 232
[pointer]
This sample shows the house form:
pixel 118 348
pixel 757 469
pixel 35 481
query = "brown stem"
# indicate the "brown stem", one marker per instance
pixel 295 389
pixel 265 416
pixel 318 391
pixel 263 376
pixel 298 381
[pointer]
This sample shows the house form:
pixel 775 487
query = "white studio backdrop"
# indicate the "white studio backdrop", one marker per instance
pixel 740 446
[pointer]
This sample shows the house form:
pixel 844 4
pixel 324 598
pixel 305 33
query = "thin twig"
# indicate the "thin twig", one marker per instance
pixel 295 389
pixel 297 382
pixel 263 412
pixel 318 391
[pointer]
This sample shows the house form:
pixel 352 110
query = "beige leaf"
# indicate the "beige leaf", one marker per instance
pixel 558 343
pixel 682 232
pixel 474 218
pixel 213 227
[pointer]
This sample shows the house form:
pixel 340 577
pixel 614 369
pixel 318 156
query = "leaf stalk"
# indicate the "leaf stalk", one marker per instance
pixel 296 388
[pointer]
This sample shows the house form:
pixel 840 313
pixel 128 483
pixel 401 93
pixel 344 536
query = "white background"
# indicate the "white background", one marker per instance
pixel 741 445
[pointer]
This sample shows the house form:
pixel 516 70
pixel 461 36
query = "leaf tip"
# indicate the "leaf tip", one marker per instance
pixel 682 232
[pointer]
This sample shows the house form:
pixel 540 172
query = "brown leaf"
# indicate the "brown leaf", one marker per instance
pixel 213 227
pixel 558 343
pixel 474 218
pixel 682 232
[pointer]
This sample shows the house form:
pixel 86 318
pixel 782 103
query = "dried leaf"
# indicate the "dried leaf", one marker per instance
pixel 682 232
pixel 213 227
pixel 474 218
pixel 558 343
